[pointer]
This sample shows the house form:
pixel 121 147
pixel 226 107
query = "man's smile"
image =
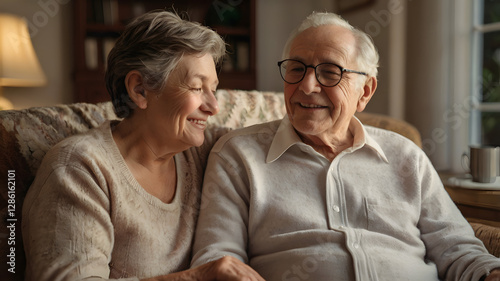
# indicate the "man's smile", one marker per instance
pixel 313 106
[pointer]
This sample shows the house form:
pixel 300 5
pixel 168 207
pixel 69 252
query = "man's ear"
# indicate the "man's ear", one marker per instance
pixel 368 91
pixel 135 89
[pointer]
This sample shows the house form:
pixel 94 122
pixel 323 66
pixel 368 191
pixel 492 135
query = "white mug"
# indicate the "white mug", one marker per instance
pixel 484 163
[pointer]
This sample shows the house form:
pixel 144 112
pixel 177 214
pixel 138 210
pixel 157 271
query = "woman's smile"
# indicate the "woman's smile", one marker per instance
pixel 199 123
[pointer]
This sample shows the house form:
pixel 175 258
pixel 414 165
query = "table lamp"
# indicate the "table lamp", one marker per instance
pixel 19 65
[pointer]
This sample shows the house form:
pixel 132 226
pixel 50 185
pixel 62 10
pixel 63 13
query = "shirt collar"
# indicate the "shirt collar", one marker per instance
pixel 286 137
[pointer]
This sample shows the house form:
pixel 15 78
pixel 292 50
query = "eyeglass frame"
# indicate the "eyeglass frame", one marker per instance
pixel 342 70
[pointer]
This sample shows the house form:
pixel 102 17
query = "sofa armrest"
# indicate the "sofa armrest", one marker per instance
pixel 489 234
pixel 392 124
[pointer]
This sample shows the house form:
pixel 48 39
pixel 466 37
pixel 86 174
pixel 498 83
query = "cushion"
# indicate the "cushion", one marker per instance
pixel 244 108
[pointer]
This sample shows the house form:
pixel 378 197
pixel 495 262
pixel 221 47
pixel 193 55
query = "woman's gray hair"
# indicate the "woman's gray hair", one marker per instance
pixel 367 57
pixel 153 44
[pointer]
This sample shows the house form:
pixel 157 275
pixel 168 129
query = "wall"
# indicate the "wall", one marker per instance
pixel 50 25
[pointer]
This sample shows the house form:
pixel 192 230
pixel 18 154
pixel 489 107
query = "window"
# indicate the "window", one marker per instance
pixel 485 114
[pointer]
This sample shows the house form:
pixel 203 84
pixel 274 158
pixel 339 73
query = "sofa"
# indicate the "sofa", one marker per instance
pixel 29 133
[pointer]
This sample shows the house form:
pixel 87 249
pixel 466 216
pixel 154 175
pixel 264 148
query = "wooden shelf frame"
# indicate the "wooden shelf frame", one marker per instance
pixel 89 82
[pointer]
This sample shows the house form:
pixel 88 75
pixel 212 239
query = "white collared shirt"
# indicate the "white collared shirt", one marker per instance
pixel 378 211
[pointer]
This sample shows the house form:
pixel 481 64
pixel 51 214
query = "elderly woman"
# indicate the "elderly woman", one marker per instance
pixel 320 196
pixel 121 201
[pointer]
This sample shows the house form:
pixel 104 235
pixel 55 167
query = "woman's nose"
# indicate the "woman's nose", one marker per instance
pixel 210 105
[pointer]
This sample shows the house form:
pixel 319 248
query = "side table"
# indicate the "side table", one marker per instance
pixel 475 204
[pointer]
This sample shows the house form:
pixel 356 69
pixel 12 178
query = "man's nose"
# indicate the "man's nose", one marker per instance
pixel 310 83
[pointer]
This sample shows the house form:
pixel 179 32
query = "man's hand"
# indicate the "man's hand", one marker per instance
pixel 224 269
pixel 494 275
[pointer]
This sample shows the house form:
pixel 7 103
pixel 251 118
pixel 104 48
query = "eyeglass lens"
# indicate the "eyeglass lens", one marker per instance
pixel 327 74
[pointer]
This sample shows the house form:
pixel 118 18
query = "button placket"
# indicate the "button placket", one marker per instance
pixel 334 193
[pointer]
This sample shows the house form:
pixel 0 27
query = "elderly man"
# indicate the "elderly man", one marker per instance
pixel 319 196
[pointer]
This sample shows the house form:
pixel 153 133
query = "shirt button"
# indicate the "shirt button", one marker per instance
pixel 355 245
pixel 336 208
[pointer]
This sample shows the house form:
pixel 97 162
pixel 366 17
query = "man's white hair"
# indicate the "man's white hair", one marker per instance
pixel 367 56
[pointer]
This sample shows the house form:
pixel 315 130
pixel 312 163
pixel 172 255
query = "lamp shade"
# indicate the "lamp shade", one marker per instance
pixel 19 65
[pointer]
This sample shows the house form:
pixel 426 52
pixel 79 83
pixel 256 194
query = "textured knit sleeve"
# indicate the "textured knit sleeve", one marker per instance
pixel 67 229
pixel 449 238
pixel 222 223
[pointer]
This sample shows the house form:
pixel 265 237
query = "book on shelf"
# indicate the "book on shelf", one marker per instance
pixel 96 16
pixel 91 57
pixel 107 45
pixel 104 11
pixel 242 56
pixel 110 11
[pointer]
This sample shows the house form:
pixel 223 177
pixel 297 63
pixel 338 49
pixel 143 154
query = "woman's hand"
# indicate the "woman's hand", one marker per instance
pixel 227 269
pixel 224 269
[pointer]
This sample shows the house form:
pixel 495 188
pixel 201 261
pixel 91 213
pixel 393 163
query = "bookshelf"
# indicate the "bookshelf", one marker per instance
pixel 98 23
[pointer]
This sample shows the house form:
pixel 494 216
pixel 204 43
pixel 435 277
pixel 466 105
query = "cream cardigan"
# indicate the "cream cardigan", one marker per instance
pixel 86 215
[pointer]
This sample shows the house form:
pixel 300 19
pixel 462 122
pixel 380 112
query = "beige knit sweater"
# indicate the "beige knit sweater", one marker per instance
pixel 86 216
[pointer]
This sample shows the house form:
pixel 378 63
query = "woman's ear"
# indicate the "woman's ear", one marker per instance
pixel 135 89
pixel 368 91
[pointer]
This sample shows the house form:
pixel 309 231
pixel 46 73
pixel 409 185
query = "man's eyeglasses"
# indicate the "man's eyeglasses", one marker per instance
pixel 328 74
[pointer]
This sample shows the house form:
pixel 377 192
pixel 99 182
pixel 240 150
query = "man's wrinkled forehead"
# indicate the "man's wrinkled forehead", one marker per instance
pixel 328 43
